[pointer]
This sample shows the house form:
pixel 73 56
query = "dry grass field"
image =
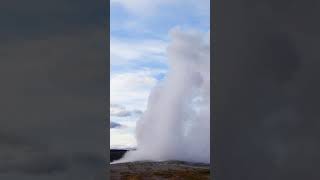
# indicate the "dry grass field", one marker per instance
pixel 169 170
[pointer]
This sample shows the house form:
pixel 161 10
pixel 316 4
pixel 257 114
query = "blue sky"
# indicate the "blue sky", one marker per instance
pixel 139 38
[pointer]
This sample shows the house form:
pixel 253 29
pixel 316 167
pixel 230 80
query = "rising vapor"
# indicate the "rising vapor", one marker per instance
pixel 176 123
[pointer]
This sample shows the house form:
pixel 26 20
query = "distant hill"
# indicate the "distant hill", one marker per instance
pixel 174 170
pixel 116 154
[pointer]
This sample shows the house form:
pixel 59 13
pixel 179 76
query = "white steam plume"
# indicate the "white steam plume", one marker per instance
pixel 176 124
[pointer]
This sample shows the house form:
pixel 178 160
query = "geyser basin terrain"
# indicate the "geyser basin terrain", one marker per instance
pixel 146 170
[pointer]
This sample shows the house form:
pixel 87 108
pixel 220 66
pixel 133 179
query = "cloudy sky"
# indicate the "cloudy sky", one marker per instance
pixel 139 38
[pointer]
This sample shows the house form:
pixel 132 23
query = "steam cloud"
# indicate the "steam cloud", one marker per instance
pixel 176 124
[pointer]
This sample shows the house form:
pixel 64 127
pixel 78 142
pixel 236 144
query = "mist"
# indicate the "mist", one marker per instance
pixel 176 123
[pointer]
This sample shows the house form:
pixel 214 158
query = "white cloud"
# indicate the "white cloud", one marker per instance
pixel 131 89
pixel 125 51
pixel 122 139
pixel 142 7
pixel 120 111
pixel 151 7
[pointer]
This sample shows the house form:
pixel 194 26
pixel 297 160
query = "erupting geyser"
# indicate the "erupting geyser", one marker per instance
pixel 176 123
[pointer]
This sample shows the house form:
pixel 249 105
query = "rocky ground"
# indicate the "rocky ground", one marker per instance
pixel 169 170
